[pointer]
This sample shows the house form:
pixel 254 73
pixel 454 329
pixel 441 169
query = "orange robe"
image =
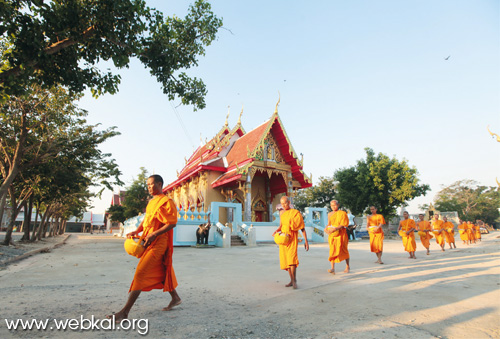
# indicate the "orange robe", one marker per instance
pixel 409 240
pixel 291 223
pixel 377 236
pixel 155 270
pixel 425 225
pixel 450 232
pixel 478 232
pixel 438 225
pixel 462 230
pixel 338 244
pixel 470 232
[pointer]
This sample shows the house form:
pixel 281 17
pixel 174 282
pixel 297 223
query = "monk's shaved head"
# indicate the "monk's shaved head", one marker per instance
pixel 157 178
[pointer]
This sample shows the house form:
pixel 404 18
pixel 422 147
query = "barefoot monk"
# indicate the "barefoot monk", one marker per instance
pixel 291 223
pixel 337 237
pixel 449 232
pixel 424 231
pixel 154 270
pixel 438 230
pixel 407 231
pixel 374 224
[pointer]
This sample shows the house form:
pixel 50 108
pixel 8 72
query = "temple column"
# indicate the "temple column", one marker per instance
pixel 289 186
pixel 268 200
pixel 248 199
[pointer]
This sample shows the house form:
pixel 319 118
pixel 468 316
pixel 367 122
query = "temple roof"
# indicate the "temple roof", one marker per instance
pixel 233 152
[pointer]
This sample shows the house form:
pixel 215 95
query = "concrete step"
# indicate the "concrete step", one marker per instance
pixel 236 241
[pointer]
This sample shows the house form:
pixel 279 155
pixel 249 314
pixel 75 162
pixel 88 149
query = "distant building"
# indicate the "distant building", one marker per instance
pixel 89 222
pixel 115 226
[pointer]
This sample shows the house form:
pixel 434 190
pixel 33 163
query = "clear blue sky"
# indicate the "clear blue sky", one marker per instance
pixel 352 74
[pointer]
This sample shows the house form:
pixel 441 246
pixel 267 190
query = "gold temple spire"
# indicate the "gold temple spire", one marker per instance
pixel 279 98
pixel 493 134
pixel 239 118
pixel 227 116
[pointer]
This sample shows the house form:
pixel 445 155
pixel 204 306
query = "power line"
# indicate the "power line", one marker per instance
pixel 181 123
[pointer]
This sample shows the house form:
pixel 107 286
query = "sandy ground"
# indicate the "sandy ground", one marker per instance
pixel 240 293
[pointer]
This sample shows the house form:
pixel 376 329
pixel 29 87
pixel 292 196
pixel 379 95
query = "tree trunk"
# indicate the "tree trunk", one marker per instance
pixel 35 228
pixel 13 215
pixel 16 161
pixel 63 228
pixel 27 219
pixel 41 228
pixel 2 209
pixel 48 224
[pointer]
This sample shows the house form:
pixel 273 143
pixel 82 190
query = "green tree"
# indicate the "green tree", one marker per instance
pixel 378 180
pixel 49 151
pixel 117 213
pixel 318 195
pixel 137 196
pixel 58 42
pixel 471 200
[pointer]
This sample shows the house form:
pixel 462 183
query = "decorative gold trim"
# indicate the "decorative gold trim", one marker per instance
pixel 279 99
pixel 239 118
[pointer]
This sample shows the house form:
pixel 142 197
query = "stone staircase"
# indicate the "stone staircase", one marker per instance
pixel 236 241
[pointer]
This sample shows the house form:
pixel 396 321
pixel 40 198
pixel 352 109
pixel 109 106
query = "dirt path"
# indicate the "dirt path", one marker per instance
pixel 240 293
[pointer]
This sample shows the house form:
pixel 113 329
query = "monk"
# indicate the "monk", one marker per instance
pixel 407 228
pixel 470 232
pixel 438 229
pixel 449 232
pixel 154 270
pixel 479 223
pixel 338 221
pixel 462 230
pixel 290 223
pixel 424 230
pixel 374 224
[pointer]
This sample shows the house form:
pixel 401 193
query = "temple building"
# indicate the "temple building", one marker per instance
pixel 255 169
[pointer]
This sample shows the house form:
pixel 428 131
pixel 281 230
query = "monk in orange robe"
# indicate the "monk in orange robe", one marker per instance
pixel 407 231
pixel 374 224
pixel 478 229
pixel 425 232
pixel 462 230
pixel 337 237
pixel 470 232
pixel 154 270
pixel 290 223
pixel 438 230
pixel 449 232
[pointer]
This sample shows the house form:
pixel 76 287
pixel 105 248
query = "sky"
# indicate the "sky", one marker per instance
pixel 418 80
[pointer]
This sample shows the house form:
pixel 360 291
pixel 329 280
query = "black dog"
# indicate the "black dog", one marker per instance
pixel 350 232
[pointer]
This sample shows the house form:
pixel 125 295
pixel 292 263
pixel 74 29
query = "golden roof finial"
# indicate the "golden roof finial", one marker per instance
pixel 493 134
pixel 227 116
pixel 279 98
pixel 239 119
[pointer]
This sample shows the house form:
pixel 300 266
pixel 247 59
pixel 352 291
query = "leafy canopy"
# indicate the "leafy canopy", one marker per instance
pixel 378 180
pixel 61 42
pixel 318 195
pixel 471 200
pixel 136 197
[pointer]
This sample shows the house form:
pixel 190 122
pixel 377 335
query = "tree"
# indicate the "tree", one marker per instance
pixel 46 140
pixel 52 43
pixel 378 180
pixel 137 196
pixel 117 213
pixel 471 200
pixel 318 195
